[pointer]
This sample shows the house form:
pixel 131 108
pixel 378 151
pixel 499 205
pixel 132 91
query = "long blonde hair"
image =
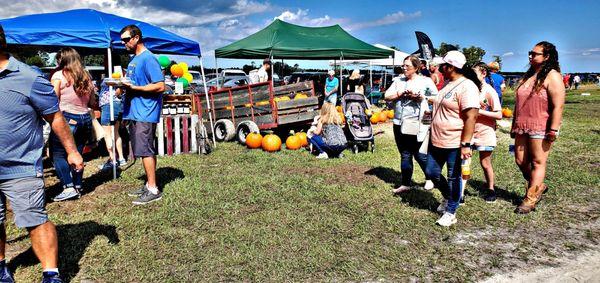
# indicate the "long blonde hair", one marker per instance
pixel 70 63
pixel 329 114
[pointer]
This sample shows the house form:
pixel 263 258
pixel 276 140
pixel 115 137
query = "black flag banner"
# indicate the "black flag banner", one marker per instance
pixel 426 50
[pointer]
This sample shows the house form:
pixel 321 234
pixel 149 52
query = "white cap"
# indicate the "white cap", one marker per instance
pixel 331 72
pixel 455 58
pixel 436 61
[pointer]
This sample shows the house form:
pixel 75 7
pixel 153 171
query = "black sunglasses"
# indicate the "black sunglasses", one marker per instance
pixel 533 53
pixel 126 39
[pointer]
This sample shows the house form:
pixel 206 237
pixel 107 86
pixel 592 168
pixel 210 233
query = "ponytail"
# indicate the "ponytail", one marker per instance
pixel 467 72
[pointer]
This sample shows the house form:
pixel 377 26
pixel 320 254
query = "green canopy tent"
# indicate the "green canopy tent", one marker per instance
pixel 281 40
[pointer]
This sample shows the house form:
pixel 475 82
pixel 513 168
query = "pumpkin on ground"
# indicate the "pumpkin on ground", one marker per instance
pixel 293 143
pixel 254 140
pixel 375 118
pixel 507 113
pixel 390 114
pixel 342 117
pixel 303 138
pixel 382 117
pixel 271 143
pixel 338 108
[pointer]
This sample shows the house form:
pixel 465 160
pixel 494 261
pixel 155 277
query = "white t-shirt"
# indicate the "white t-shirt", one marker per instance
pixel 577 79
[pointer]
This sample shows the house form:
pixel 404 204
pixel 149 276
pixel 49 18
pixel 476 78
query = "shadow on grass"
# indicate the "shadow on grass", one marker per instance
pixel 73 239
pixel 420 199
pixel 165 175
pixel 89 184
pixel 481 188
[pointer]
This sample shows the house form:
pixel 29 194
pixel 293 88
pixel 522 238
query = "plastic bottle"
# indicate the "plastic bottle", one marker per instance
pixel 511 149
pixel 465 169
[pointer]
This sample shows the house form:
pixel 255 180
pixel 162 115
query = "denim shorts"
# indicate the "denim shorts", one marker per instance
pixel 27 199
pixel 105 116
pixel 482 148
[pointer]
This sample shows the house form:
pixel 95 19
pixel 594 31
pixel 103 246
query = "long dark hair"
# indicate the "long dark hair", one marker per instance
pixel 488 75
pixel 70 63
pixel 467 72
pixel 550 64
pixel 2 40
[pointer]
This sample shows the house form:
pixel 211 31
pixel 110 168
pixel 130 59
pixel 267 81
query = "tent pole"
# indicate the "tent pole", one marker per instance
pixel 371 75
pixel 216 70
pixel 111 92
pixel 207 102
pixel 341 78
pixel 272 67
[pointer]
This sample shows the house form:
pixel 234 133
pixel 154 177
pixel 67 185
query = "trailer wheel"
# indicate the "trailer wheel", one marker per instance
pixel 245 128
pixel 224 130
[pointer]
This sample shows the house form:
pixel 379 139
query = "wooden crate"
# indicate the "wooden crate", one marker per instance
pixel 176 134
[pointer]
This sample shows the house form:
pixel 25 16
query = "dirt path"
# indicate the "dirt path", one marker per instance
pixel 583 268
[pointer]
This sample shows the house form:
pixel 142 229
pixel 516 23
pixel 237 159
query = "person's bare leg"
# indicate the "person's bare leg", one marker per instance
pixel 539 151
pixel 108 141
pixel 522 156
pixel 118 141
pixel 45 244
pixel 485 158
pixel 2 242
pixel 150 168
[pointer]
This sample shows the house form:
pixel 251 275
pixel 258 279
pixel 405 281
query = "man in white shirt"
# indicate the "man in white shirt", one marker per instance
pixel 263 73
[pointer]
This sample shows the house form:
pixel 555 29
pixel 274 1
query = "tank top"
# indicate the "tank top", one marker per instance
pixel 70 102
pixel 532 111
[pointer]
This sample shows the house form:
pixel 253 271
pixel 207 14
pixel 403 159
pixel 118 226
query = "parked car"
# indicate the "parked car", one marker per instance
pixel 232 73
pixel 223 82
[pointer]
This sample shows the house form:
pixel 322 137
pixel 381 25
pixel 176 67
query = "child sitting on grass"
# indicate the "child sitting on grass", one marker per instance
pixel 328 137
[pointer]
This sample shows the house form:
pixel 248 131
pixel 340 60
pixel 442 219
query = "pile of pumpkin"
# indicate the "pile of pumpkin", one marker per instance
pixel 277 99
pixel 381 116
pixel 272 143
pixel 507 113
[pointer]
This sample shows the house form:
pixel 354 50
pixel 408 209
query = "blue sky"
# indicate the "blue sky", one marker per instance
pixel 506 28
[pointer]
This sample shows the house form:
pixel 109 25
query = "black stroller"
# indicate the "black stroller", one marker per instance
pixel 359 131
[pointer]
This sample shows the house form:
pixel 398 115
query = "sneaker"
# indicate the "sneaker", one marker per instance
pixel 428 185
pixel 441 209
pixel 322 155
pixel 107 165
pixel 462 201
pixel 67 193
pixel 341 155
pixel 147 197
pixel 138 192
pixel 447 220
pixel 122 162
pixel 5 275
pixel 51 277
pixel 401 189
pixel 490 197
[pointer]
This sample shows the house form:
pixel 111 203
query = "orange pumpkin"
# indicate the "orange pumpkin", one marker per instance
pixel 338 108
pixel 342 117
pixel 271 143
pixel 507 113
pixel 116 75
pixel 382 117
pixel 254 140
pixel 293 143
pixel 262 103
pixel 375 118
pixel 303 138
pixel 300 96
pixel 390 114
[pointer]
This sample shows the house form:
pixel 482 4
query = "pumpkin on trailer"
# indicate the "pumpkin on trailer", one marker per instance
pixel 282 98
pixel 229 107
pixel 374 119
pixel 293 143
pixel 261 103
pixel 300 96
pixel 382 117
pixel 390 114
pixel 303 138
pixel 507 113
pixel 248 105
pixel 271 143
pixel 254 140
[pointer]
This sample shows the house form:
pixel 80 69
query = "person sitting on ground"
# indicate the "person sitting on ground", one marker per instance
pixel 331 87
pixel 75 90
pixel 328 138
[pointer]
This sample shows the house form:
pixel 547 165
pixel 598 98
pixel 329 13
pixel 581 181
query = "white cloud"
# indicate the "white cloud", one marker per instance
pixel 301 17
pixel 586 53
pixel 590 51
pixel 508 54
pixel 389 19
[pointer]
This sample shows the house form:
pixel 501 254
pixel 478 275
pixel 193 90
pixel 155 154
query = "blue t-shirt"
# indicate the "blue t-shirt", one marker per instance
pixel 143 69
pixel 331 84
pixel 498 81
pixel 26 95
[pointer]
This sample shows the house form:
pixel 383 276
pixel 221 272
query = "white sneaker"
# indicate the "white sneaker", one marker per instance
pixel 322 155
pixel 400 189
pixel 428 185
pixel 447 220
pixel 442 207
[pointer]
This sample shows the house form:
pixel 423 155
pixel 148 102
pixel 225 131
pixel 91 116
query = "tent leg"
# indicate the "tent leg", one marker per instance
pixel 272 67
pixel 111 91
pixel 210 119
pixel 216 70
pixel 341 78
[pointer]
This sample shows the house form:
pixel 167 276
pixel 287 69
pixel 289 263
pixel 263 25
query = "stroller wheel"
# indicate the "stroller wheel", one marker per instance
pixel 372 146
pixel 355 149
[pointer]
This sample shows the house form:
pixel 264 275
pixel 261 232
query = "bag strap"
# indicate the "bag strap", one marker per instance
pixel 444 97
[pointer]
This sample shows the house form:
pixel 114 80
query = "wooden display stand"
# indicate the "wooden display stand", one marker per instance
pixel 176 133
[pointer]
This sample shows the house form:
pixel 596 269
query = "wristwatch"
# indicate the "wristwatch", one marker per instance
pixel 465 144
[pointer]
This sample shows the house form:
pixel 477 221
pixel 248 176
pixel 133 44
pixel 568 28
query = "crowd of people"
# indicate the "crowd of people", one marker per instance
pixel 443 110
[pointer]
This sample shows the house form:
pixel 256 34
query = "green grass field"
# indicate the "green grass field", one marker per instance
pixel 246 215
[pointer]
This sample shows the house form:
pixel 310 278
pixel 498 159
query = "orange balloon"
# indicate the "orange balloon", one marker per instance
pixel 176 70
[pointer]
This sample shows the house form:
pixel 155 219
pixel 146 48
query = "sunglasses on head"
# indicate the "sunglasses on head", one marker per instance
pixel 533 53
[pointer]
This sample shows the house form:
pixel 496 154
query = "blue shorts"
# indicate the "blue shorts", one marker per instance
pixel 482 148
pixel 105 116
pixel 27 200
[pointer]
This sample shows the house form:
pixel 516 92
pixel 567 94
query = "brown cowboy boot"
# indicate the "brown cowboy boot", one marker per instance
pixel 532 197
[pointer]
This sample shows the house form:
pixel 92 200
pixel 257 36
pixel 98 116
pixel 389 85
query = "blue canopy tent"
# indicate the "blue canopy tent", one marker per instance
pixel 87 28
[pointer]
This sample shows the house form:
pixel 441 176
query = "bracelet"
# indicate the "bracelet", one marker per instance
pixel 553 130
